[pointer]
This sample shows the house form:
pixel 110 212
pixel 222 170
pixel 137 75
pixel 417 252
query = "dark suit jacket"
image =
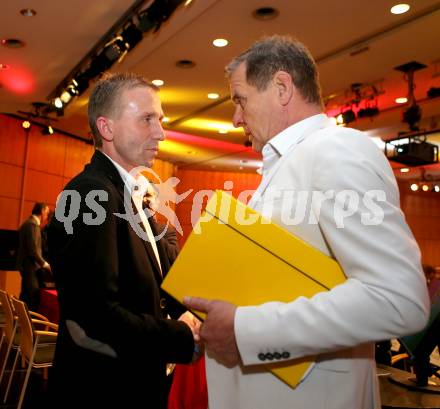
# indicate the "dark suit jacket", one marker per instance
pixel 108 282
pixel 29 257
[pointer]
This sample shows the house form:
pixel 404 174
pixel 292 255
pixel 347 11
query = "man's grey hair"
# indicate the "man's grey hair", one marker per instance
pixel 280 53
pixel 105 99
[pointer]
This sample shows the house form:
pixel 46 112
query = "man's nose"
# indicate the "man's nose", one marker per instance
pixel 237 119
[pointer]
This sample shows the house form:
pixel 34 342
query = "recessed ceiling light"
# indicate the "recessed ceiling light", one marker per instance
pixel 28 12
pixel 213 95
pixel 399 8
pixel 185 64
pixel 414 187
pixel 12 43
pixel 265 13
pixel 401 100
pixel 158 83
pixel 4 67
pixel 425 188
pixel 404 170
pixel 220 42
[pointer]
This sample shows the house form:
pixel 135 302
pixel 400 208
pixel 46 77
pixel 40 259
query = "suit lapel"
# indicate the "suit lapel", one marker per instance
pixel 103 164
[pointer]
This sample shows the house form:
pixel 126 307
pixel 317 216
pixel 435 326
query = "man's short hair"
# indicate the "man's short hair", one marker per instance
pixel 280 53
pixel 106 96
pixel 38 208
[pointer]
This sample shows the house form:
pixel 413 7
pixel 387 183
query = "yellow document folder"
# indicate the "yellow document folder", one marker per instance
pixel 237 255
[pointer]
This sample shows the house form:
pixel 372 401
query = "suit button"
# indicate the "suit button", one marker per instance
pixel 277 355
pixel 285 355
pixel 262 357
pixel 163 303
pixel 269 356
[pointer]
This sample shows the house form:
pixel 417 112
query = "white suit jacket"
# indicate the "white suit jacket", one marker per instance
pixel 385 293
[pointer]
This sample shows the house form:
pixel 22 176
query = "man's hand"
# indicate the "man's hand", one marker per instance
pixel 193 322
pixel 217 332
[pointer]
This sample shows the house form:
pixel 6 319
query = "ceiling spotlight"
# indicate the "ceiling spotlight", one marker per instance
pixel 434 92
pixel 158 83
pixel 345 117
pixel 213 95
pixel 26 124
pixel 131 35
pixel 58 103
pixel 425 188
pixel 65 97
pixel 436 188
pixel 28 12
pixel 404 170
pixel 400 8
pixel 401 100
pixel 368 112
pixel 47 130
pixel 414 187
pixel 220 42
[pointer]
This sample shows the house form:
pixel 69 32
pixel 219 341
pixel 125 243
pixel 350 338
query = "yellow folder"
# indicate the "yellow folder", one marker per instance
pixel 237 255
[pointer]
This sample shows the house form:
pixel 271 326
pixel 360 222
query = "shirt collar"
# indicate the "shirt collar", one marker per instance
pixel 292 135
pixel 282 142
pixel 138 185
pixel 37 219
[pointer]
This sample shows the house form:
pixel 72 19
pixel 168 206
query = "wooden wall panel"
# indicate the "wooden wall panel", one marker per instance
pixel 9 213
pixel 12 141
pixel 78 154
pixel 42 187
pixel 206 180
pixel 422 212
pixel 46 152
pixel 11 177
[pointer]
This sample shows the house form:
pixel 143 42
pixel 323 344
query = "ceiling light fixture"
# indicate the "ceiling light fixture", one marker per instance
pixel 213 95
pixel 158 83
pixel 414 187
pixel 185 64
pixel 165 119
pixel 400 8
pixel 223 131
pixel 26 125
pixel 47 130
pixel 401 100
pixel 28 12
pixel 12 43
pixel 220 42
pixel 404 170
pixel 265 13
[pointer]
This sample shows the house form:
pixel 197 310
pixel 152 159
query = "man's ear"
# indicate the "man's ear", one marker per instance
pixel 105 128
pixel 284 84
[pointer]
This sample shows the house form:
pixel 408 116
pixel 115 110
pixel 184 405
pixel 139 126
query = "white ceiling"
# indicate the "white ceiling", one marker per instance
pixel 62 33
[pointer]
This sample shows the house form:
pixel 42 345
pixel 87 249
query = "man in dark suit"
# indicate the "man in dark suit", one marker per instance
pixel 114 338
pixel 29 256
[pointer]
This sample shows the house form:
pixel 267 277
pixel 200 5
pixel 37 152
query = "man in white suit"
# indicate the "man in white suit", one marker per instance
pixel 353 215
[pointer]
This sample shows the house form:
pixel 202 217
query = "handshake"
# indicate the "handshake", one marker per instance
pixel 217 331
pixel 194 324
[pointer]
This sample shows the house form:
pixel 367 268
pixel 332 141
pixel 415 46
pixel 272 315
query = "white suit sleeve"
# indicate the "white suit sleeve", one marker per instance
pixel 385 293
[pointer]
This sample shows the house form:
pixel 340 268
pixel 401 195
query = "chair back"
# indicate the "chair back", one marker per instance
pixel 8 314
pixel 26 327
